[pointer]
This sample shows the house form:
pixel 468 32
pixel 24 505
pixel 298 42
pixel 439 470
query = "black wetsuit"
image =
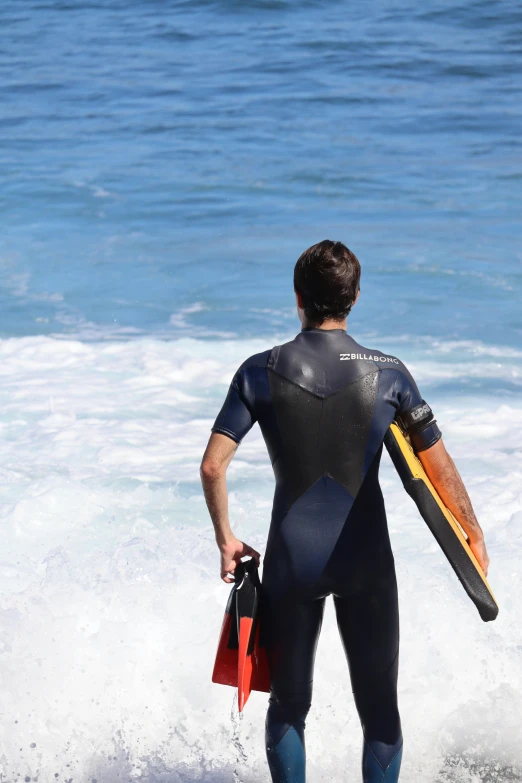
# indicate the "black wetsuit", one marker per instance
pixel 324 404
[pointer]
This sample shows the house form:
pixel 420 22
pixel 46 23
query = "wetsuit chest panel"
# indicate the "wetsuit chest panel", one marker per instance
pixel 322 436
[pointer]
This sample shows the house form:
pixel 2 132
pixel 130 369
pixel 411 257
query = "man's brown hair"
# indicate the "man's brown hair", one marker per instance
pixel 327 276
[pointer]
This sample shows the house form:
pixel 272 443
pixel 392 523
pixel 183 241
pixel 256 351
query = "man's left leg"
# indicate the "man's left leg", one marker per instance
pixel 369 627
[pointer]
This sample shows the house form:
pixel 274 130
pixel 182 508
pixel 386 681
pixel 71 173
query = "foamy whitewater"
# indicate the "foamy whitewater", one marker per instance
pixel 111 598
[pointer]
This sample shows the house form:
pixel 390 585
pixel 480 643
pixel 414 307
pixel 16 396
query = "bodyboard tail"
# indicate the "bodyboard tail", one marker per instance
pixel 241 661
pixel 441 522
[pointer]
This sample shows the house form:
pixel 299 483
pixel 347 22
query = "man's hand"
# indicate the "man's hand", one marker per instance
pixel 478 547
pixel 231 554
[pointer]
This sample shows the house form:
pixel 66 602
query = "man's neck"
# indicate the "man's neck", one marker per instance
pixel 327 324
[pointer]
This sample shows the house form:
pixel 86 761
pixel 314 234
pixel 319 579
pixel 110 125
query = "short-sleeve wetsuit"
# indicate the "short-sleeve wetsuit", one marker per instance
pixel 324 404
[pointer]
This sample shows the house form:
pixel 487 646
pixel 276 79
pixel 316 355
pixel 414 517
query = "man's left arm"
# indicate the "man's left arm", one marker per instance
pixel 444 476
pixel 426 439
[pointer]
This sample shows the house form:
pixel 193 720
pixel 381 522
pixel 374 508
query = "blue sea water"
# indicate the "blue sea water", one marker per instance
pixel 162 166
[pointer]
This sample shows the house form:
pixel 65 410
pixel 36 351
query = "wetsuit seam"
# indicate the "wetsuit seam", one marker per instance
pixel 322 396
pixel 363 471
pixel 384 770
pixel 273 357
pixel 275 744
pixel 276 754
pixel 242 396
pixel 395 756
pixel 281 454
pixel 374 756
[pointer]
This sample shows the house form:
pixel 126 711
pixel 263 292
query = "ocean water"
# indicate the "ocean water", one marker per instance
pixel 162 167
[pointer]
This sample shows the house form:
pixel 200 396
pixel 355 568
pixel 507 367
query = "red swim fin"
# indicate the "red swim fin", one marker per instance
pixel 241 661
pixel 225 666
pixel 244 663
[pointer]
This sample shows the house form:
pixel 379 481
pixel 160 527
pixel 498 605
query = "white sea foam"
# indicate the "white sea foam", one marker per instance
pixel 111 602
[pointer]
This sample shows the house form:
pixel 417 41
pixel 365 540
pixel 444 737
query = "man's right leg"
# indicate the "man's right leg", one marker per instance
pixel 292 629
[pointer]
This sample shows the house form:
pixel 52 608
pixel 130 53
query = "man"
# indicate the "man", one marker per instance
pixel 324 404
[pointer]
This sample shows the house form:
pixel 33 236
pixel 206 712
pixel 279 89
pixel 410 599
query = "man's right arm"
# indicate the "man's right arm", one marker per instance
pixel 444 476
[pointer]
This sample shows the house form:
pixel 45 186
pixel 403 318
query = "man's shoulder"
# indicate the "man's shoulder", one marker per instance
pixel 257 360
pixel 267 358
pixel 382 359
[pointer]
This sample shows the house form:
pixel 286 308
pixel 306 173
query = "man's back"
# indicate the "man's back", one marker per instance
pixel 324 404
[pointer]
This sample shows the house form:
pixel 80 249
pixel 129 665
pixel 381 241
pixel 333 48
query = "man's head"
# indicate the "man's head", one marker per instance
pixel 326 282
